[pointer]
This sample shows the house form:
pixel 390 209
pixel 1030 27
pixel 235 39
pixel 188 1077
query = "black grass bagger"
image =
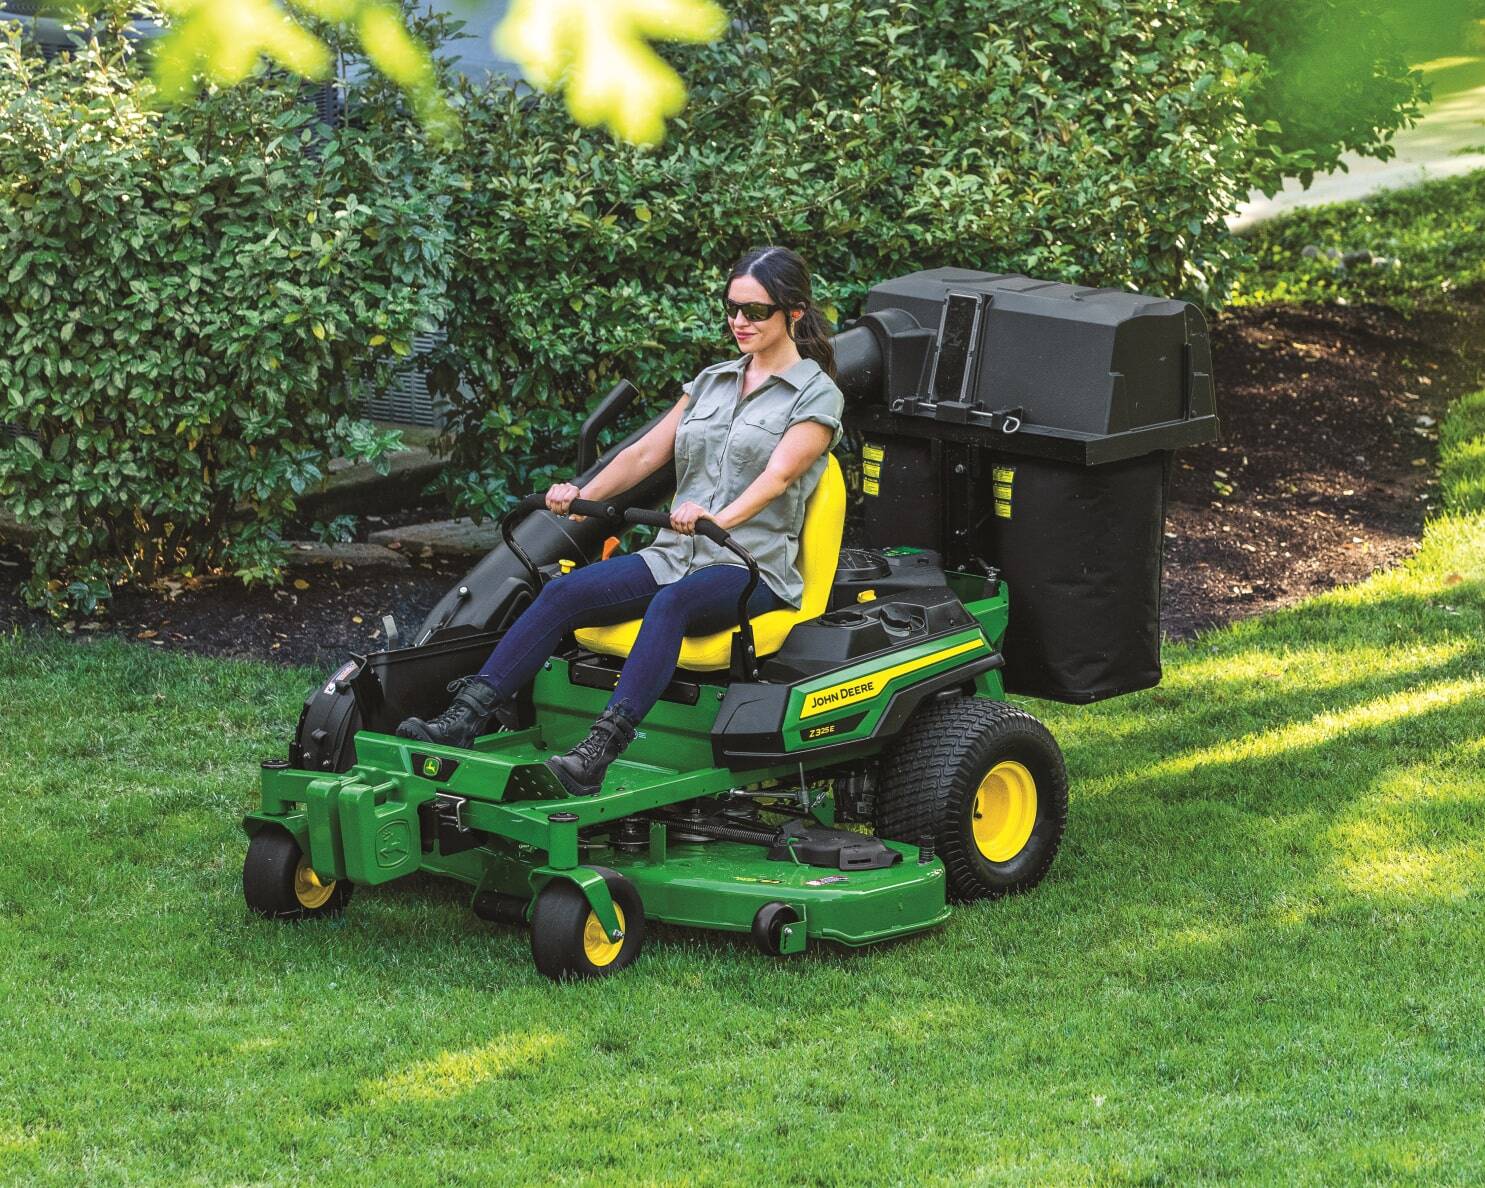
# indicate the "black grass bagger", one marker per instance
pixel 1014 437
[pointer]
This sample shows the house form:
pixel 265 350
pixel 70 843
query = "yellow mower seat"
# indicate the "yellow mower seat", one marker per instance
pixel 819 550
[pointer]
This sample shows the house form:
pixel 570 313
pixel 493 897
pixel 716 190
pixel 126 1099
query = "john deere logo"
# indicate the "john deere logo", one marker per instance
pixel 431 767
pixel 392 844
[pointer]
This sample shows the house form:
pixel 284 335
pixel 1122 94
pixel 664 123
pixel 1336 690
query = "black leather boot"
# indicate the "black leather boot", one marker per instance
pixel 465 720
pixel 581 770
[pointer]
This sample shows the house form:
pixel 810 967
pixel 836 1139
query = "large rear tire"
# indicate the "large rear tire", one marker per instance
pixel 986 781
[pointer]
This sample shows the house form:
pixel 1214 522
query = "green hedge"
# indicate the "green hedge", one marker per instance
pixel 1100 141
pixel 190 303
pixel 191 299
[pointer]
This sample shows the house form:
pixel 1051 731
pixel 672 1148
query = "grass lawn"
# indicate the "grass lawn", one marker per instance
pixel 1435 232
pixel 1257 958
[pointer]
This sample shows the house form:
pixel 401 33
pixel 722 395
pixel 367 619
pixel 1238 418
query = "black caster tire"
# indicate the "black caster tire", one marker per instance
pixel 278 881
pixel 768 927
pixel 987 782
pixel 568 943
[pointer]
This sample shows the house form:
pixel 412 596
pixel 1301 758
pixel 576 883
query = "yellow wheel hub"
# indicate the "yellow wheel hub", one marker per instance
pixel 596 946
pixel 1004 811
pixel 308 890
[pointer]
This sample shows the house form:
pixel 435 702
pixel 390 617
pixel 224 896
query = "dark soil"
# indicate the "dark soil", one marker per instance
pixel 334 613
pixel 1324 473
pixel 1327 462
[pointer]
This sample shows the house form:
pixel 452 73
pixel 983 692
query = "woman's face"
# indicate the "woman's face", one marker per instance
pixel 753 337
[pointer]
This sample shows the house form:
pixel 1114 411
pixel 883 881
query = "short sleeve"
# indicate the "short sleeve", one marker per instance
pixel 821 401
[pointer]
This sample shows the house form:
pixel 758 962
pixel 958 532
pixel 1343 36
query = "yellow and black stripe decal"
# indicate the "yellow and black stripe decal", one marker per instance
pixel 867 685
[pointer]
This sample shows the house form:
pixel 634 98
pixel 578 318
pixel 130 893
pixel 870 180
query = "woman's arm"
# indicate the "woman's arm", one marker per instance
pixel 632 464
pixel 796 452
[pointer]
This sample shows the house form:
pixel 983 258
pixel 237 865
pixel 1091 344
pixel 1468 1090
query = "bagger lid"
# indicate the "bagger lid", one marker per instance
pixel 1060 371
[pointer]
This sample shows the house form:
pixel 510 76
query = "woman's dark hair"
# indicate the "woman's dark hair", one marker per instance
pixel 786 277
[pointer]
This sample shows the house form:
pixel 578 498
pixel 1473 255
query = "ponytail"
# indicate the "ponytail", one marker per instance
pixel 812 337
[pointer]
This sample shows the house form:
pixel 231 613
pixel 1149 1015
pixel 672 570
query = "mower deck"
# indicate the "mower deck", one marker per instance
pixel 723 885
pixel 496 818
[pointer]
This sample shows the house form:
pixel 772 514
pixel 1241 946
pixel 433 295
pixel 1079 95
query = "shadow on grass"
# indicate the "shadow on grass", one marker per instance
pixel 1311 663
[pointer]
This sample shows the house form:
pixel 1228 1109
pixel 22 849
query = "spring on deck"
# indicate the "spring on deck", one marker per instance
pixel 732 833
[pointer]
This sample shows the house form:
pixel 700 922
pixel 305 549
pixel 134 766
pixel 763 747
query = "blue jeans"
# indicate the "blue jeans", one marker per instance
pixel 612 591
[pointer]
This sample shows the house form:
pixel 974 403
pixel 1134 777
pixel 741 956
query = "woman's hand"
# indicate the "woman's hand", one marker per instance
pixel 561 495
pixel 683 519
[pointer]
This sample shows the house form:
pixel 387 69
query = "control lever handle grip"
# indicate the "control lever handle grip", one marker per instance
pixel 661 520
pixel 537 500
pixel 707 528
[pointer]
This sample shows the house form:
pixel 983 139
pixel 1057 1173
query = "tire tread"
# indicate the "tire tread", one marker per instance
pixel 918 776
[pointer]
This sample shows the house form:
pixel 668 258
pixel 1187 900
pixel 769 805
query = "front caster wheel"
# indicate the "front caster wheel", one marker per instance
pixel 568 942
pixel 279 882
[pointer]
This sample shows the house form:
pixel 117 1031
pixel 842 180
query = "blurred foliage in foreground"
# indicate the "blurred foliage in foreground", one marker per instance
pixel 597 52
pixel 1337 77
pixel 223 41
pixel 1335 74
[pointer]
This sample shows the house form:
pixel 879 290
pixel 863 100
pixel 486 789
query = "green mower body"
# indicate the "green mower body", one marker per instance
pixel 496 818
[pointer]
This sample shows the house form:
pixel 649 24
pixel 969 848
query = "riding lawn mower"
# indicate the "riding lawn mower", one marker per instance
pixel 843 772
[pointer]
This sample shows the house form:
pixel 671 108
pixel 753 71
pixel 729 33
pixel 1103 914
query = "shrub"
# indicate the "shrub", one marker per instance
pixel 1099 141
pixel 191 302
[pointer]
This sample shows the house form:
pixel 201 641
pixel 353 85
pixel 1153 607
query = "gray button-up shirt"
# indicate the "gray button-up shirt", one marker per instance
pixel 722 444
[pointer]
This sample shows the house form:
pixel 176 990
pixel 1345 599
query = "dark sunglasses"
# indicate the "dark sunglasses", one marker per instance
pixel 754 311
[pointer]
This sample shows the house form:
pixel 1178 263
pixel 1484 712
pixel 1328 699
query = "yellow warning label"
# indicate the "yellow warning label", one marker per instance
pixel 864 688
pixel 872 469
pixel 1003 508
pixel 1002 490
pixel 1003 474
pixel 870 487
pixel 873 453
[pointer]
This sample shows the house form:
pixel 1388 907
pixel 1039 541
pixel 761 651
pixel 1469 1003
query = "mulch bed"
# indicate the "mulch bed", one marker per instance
pixel 1326 466
pixel 1324 473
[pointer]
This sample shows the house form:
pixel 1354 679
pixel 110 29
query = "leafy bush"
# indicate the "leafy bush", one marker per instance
pixel 191 301
pixel 1088 140
pixel 1403 247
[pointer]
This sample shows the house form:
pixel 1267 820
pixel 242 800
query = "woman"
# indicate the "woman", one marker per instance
pixel 749 440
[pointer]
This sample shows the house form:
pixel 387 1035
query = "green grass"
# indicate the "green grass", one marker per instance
pixel 1257 957
pixel 1436 232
